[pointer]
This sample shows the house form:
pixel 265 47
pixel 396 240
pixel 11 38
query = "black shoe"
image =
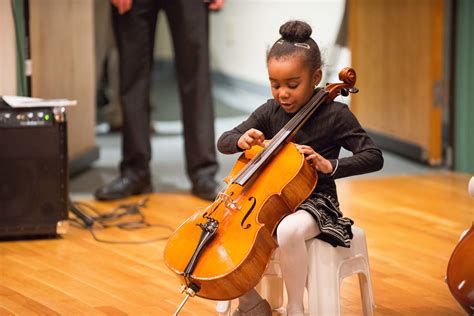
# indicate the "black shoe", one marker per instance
pixel 206 188
pixel 123 187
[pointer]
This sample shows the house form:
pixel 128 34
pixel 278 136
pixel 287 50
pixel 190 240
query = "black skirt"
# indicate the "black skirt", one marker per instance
pixel 335 228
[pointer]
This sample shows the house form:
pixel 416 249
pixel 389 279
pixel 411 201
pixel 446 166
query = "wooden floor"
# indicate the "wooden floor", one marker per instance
pixel 412 225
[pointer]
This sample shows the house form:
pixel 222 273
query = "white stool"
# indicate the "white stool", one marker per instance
pixel 328 266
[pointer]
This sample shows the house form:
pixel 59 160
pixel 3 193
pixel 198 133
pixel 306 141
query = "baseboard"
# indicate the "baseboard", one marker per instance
pixel 403 148
pixel 166 67
pixel 84 161
pixel 242 84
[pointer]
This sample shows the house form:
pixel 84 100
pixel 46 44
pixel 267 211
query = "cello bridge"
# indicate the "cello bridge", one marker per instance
pixel 229 203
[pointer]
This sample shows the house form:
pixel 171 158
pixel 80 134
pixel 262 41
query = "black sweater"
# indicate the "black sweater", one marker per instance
pixel 331 127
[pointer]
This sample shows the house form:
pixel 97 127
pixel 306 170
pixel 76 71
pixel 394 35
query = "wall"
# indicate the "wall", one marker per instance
pixel 243 30
pixel 7 51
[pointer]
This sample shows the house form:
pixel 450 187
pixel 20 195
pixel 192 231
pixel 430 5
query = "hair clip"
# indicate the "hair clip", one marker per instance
pixel 302 45
pixel 280 42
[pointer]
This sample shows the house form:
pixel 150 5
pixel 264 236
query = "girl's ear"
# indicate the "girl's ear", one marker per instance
pixel 317 76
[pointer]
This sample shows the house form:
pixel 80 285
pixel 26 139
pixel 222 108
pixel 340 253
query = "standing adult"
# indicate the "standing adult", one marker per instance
pixel 134 24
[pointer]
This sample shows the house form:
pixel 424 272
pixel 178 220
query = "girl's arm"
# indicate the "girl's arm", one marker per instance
pixel 367 157
pixel 228 142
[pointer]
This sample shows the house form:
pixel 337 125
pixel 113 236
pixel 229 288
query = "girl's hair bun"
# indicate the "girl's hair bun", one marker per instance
pixel 295 31
pixel 296 40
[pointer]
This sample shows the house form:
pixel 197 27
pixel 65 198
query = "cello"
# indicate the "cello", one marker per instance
pixel 460 271
pixel 222 251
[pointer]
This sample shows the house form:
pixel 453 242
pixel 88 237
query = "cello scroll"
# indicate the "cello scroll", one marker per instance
pixel 348 77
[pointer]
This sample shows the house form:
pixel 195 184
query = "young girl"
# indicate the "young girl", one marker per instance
pixel 294 69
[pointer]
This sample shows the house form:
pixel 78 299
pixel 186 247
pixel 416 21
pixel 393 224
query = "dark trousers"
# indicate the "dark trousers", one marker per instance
pixel 135 35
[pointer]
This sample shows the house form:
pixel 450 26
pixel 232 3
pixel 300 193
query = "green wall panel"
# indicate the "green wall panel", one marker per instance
pixel 464 87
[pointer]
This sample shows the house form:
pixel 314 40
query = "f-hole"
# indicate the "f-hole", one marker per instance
pixel 254 200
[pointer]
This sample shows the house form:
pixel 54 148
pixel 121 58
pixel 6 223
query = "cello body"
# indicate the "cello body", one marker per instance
pixel 235 259
pixel 460 273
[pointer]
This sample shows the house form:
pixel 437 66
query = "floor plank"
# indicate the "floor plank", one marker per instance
pixel 412 225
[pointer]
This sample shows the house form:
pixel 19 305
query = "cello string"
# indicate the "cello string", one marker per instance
pixel 281 136
pixel 261 158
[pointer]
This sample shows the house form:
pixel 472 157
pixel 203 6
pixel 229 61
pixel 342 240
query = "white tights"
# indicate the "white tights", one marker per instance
pixel 292 232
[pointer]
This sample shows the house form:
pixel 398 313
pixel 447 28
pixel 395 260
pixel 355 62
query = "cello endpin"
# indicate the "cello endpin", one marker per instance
pixel 181 305
pixel 190 291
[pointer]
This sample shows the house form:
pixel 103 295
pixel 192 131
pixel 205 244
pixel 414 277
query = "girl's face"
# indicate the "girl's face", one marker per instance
pixel 292 83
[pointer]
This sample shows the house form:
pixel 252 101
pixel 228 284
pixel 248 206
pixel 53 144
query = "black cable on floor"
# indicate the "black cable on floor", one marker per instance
pixel 90 218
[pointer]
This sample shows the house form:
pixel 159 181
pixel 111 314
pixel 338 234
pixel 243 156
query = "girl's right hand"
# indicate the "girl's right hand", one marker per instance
pixel 250 138
pixel 214 5
pixel 122 5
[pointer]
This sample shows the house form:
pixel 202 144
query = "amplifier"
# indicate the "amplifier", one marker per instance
pixel 33 171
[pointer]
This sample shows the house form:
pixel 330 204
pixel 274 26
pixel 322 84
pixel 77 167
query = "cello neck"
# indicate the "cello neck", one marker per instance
pixel 281 138
pixel 297 122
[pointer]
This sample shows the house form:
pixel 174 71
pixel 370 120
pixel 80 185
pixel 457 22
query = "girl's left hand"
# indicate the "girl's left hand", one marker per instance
pixel 314 159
